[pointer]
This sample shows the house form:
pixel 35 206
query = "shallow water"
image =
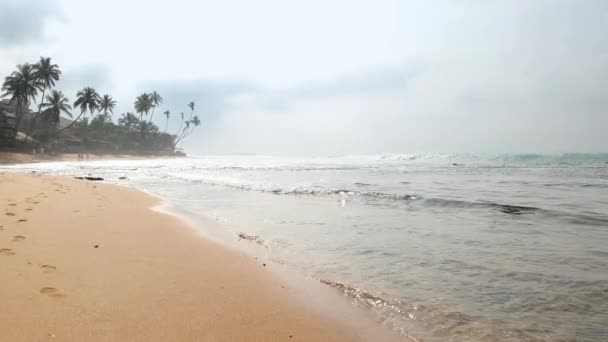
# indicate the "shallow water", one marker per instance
pixel 444 247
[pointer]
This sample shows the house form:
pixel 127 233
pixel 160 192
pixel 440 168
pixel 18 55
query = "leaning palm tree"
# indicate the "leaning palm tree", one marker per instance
pixel 167 114
pixel 21 87
pixel 47 74
pixel 190 126
pixel 87 99
pixel 191 106
pixel 143 104
pixel 156 101
pixel 196 121
pixel 55 104
pixel 107 104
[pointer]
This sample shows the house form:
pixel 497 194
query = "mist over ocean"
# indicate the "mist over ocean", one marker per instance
pixel 447 247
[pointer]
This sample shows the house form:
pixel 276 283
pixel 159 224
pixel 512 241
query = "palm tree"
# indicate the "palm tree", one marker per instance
pixel 47 74
pixel 128 120
pixel 190 126
pixel 143 104
pixel 181 135
pixel 191 106
pixel 87 99
pixel 167 114
pixel 56 103
pixel 107 104
pixel 195 121
pixel 21 87
pixel 145 129
pixel 156 101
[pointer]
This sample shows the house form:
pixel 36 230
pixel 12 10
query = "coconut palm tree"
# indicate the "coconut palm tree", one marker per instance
pixel 47 74
pixel 128 120
pixel 87 99
pixel 107 104
pixel 191 106
pixel 190 126
pixel 167 114
pixel 145 129
pixel 21 87
pixel 55 104
pixel 196 121
pixel 156 101
pixel 143 104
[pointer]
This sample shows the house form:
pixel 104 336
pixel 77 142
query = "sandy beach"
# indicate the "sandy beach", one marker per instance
pixel 83 261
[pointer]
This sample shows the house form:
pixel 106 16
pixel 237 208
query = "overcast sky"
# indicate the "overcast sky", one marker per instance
pixel 338 77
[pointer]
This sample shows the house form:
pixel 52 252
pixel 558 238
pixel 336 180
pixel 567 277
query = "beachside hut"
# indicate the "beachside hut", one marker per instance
pixel 72 144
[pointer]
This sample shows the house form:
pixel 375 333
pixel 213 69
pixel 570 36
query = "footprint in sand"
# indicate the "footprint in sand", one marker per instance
pixel 51 292
pixel 48 268
pixel 6 251
pixel 22 220
pixel 18 238
pixel 10 214
pixel 29 209
pixel 12 205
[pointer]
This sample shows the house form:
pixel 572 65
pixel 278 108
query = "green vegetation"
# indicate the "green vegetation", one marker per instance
pixel 96 132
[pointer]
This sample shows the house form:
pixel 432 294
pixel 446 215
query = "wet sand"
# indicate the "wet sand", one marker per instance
pixel 83 261
pixel 23 158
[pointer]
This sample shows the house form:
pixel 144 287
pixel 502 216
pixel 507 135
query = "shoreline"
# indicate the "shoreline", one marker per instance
pixel 134 273
pixel 15 158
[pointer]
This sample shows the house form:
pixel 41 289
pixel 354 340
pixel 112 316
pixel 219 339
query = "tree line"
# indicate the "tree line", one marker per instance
pixel 36 84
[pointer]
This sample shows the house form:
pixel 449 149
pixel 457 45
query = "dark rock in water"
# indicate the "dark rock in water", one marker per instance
pixel 247 237
pixel 514 209
pixel 508 210
pixel 253 238
pixel 122 178
pixel 90 178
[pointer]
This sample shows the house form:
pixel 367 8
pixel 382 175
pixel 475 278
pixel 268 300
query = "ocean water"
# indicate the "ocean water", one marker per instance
pixel 440 247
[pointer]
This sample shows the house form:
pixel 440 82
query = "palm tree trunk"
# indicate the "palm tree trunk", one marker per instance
pixel 181 136
pixel 18 118
pixel 167 125
pixel 180 127
pixel 151 116
pixel 70 125
pixel 33 123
